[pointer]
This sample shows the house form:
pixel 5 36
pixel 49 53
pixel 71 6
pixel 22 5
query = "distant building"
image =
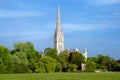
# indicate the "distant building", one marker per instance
pixel 59 36
pixel 83 67
pixel 59 40
pixel 84 53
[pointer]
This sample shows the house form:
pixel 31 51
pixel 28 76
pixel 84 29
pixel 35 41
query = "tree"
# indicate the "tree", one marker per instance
pixel 15 60
pixel 33 65
pixel 31 54
pixel 5 59
pixel 28 48
pixel 20 57
pixel 58 67
pixel 21 68
pixel 72 67
pixel 47 64
pixel 90 66
pixel 64 60
pixel 50 52
pixel 116 66
pixel 77 58
pixel 104 62
pixel 2 68
pixel 5 55
pixel 64 55
pixel 20 62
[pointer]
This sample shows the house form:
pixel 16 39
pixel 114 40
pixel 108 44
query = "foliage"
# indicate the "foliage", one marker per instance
pixel 47 64
pixel 77 58
pixel 63 59
pixel 62 64
pixel 20 57
pixel 5 57
pixel 33 65
pixel 64 55
pixel 50 52
pixel 27 47
pixel 72 67
pixel 90 66
pixel 105 62
pixel 20 68
pixel 29 53
pixel 58 67
pixel 24 58
pixel 2 68
pixel 116 66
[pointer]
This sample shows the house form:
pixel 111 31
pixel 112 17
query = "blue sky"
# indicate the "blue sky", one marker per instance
pixel 90 24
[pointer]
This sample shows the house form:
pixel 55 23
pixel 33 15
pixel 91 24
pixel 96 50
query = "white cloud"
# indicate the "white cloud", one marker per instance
pixel 27 34
pixel 18 13
pixel 104 1
pixel 87 27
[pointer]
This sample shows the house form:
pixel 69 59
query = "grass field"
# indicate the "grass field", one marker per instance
pixel 61 76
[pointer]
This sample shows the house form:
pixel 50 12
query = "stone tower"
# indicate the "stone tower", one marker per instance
pixel 59 36
pixel 85 53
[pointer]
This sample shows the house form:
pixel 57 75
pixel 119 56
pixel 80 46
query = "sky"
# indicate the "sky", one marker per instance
pixel 90 24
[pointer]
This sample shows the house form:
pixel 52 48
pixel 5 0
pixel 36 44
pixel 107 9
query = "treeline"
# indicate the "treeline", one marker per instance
pixel 25 59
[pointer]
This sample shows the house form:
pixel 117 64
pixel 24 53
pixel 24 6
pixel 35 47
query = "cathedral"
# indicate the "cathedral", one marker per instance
pixel 59 37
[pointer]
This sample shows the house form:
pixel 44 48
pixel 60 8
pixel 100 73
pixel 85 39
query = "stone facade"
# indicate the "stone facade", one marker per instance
pixel 85 53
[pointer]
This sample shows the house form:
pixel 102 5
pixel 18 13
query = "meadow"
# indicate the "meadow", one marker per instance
pixel 61 76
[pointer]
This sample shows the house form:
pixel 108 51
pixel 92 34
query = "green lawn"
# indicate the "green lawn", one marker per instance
pixel 61 76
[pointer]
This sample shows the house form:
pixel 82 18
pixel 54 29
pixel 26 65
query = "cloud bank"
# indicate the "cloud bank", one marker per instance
pixel 88 27
pixel 19 13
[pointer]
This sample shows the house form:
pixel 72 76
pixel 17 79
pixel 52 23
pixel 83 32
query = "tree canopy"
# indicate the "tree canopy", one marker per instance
pixel 25 59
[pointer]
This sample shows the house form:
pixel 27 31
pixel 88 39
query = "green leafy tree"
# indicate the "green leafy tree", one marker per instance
pixel 5 59
pixel 116 66
pixel 64 60
pixel 21 68
pixel 90 66
pixel 20 62
pixel 28 48
pixel 50 52
pixel 77 58
pixel 5 55
pixel 65 55
pixel 33 65
pixel 2 68
pixel 47 64
pixel 15 59
pixel 31 54
pixel 58 67
pixel 20 57
pixel 72 67
pixel 104 62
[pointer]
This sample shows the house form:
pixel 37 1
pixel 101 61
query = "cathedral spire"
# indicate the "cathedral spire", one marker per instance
pixel 85 53
pixel 58 16
pixel 59 36
pixel 58 23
